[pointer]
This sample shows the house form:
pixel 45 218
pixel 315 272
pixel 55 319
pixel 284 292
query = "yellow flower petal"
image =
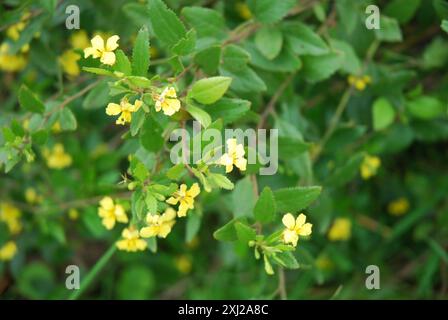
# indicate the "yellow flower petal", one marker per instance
pixel 108 58
pixel 288 221
pixel 113 109
pixel 111 43
pixel 97 43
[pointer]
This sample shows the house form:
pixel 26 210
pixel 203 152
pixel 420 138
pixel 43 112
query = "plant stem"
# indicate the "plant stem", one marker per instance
pixel 99 265
pixel 282 284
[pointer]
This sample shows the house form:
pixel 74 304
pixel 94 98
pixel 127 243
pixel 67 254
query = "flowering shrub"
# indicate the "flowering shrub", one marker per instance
pixel 116 135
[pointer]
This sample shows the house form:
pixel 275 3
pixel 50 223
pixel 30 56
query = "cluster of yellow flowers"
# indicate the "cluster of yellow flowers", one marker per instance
pixel 157 225
pixel 10 215
pixel 14 62
pixel 57 158
pixel 369 166
pixel 359 82
pixel 103 51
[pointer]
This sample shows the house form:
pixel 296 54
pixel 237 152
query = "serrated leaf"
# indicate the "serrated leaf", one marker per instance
pixel 244 232
pixel 227 232
pixel 303 40
pixel 318 68
pixel 166 26
pixel 265 208
pixel 208 59
pixel 206 22
pixel 389 30
pixel 140 54
pixel 220 181
pixel 122 63
pixel 287 260
pixel 295 199
pixel 268 11
pixel 228 109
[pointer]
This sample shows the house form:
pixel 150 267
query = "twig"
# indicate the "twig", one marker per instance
pixel 282 284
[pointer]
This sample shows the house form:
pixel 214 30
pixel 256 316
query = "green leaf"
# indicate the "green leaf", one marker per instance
pixel 199 114
pixel 151 135
pixel 402 10
pixel 138 118
pixel 210 90
pixel 244 232
pixel 291 147
pixel 176 172
pixel 192 227
pixel 151 203
pixel 265 208
pixel 269 41
pixel 295 199
pixel 383 114
pixel 389 30
pixel 346 172
pixel 140 54
pixel 286 61
pixel 185 45
pixel 226 232
pixel 97 97
pixel 268 11
pixel 228 109
pixel 243 199
pixel 206 22
pixel 99 71
pixel 122 63
pixel 318 68
pixel 220 181
pixel 444 25
pixel 286 259
pixel 166 26
pixel 40 137
pixel 350 61
pixel 436 54
pixel 29 101
pixel 67 119
pixel 426 107
pixel 303 40
pixel 208 59
pixel 245 80
pixel 235 58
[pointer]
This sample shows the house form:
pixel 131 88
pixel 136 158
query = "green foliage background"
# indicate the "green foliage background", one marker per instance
pixel 289 62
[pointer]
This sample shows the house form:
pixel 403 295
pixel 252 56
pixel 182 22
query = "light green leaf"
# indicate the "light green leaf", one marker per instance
pixel 193 224
pixel 210 90
pixel 208 59
pixel 286 259
pixel 303 40
pixel 226 232
pixel 243 199
pixel 269 41
pixel 199 114
pixel 228 109
pixel 206 22
pixel 426 107
pixel 220 181
pixel 185 45
pixel 122 63
pixel 383 114
pixel 318 68
pixel 389 30
pixel 244 232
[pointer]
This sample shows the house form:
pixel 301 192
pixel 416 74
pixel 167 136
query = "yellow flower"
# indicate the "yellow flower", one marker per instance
pixel 98 50
pixel 73 214
pixel 234 156
pixel 159 225
pixel 111 213
pixel 69 64
pixel 340 230
pixel 79 40
pixel 32 197
pixel 131 241
pixel 57 158
pixel 369 166
pixel 167 101
pixel 11 216
pixel 9 62
pixel 13 32
pixel 295 228
pixel 359 82
pixel 185 198
pixel 56 127
pixel 8 251
pixel 398 207
pixel 243 10
pixel 125 108
pixel 183 264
